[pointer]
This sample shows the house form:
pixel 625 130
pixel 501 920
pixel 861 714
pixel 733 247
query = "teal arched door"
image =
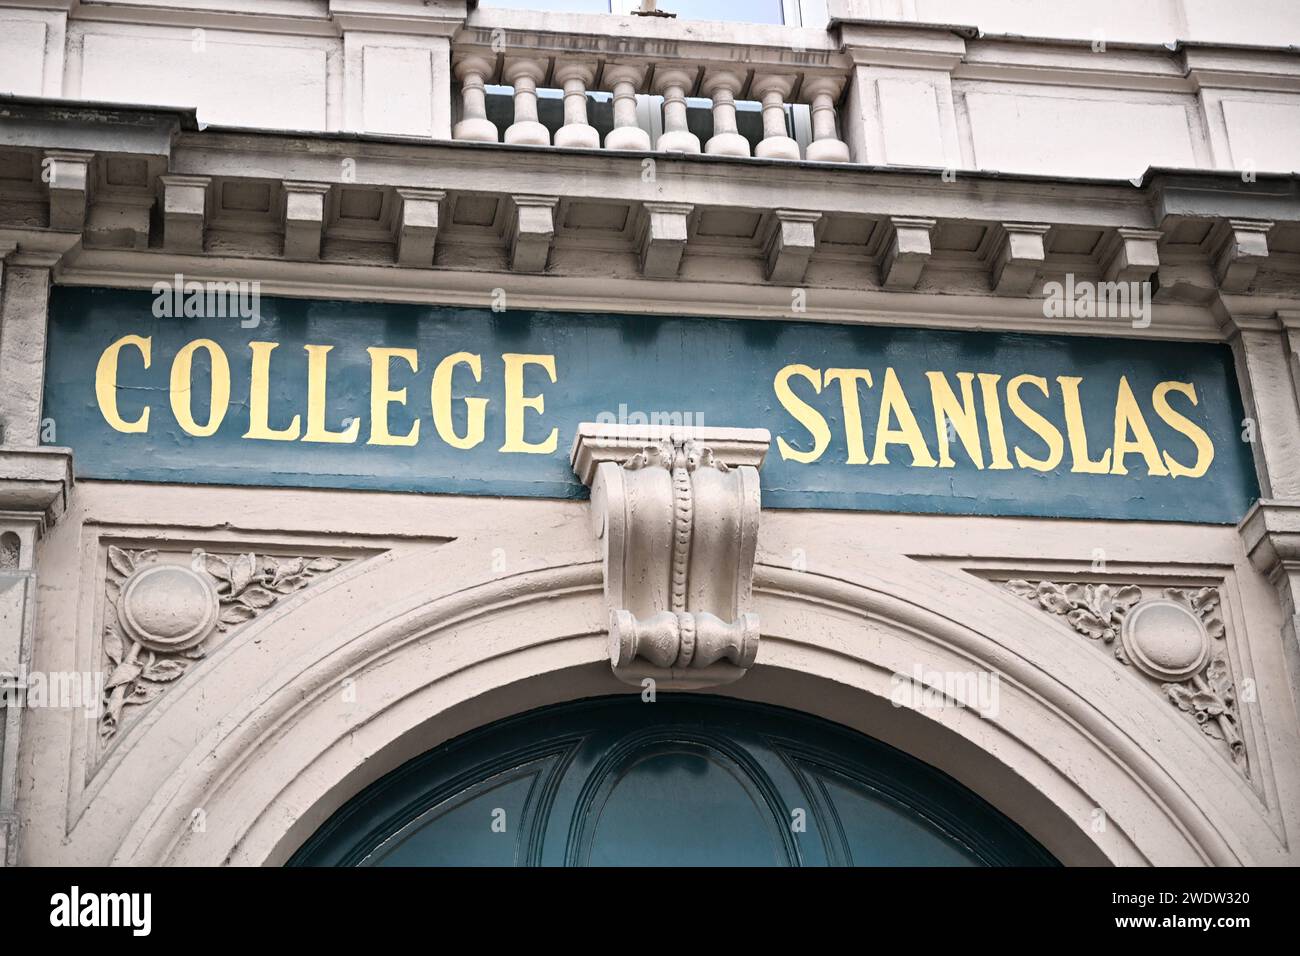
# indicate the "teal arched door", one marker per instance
pixel 681 781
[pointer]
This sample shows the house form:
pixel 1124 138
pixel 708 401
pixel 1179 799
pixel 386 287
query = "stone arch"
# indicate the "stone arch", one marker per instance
pixel 437 644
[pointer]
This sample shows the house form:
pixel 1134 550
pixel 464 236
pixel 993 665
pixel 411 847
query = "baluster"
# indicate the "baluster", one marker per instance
pixel 822 92
pixel 677 138
pixel 624 80
pixel 472 71
pixel 574 79
pixel 722 87
pixel 772 92
pixel 524 75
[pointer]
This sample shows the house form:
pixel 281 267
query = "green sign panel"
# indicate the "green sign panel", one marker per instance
pixel 185 385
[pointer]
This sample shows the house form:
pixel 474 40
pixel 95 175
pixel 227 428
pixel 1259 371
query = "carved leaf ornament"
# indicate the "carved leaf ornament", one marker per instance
pixel 164 616
pixel 1176 640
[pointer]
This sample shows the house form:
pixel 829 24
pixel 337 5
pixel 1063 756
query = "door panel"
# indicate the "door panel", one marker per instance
pixel 683 781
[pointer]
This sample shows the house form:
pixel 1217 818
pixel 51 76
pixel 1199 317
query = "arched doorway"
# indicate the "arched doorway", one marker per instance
pixel 685 780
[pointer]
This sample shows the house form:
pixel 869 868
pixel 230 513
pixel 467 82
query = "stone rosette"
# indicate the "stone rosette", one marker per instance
pixel 1176 639
pixel 165 615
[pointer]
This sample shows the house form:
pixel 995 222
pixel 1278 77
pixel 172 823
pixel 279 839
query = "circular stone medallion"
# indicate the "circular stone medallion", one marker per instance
pixel 1165 640
pixel 168 607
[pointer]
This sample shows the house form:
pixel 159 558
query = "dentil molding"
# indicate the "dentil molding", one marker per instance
pixel 677 512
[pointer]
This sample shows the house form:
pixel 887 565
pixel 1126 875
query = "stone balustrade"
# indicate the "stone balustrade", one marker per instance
pixel 544 55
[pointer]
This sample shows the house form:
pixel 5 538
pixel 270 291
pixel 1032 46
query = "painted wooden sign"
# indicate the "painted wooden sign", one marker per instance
pixel 298 392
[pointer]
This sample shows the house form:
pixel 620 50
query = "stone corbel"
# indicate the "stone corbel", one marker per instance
pixel 676 512
pixel 1271 534
pixel 416 226
pixel 304 219
pixel 35 482
pixel 662 233
pixel 530 228
pixel 790 244
pixel 68 176
pixel 1018 256
pixel 184 208
pixel 1132 255
pixel 907 253
pixel 1242 246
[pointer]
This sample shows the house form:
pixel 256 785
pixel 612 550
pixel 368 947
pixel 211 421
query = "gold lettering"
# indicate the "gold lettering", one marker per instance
pixel 998 460
pixel 106 384
pixel 317 370
pixel 517 402
pixel 1036 423
pixel 475 408
pixel 1128 418
pixel 965 423
pixel 802 412
pixel 381 396
pixel 182 388
pixel 259 398
pixel 1178 422
pixel 848 379
pixel 894 402
pixel 1074 427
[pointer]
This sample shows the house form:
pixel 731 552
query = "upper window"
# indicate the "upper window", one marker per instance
pixel 811 13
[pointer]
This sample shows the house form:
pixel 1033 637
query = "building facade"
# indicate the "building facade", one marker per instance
pixel 440 432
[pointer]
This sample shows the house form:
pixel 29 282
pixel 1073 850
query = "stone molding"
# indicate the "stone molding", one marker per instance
pixel 244 741
pixel 35 484
pixel 677 513
pixel 36 480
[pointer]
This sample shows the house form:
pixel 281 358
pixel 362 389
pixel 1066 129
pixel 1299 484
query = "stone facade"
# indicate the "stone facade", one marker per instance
pixel 887 168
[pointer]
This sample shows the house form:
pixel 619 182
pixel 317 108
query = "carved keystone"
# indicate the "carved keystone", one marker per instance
pixel 677 511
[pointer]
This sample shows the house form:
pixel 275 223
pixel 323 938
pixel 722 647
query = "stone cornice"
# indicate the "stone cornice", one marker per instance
pixel 42 248
pixel 626 294
pixel 35 481
pixel 857 209
pixel 596 442
pixel 397 17
pixel 1271 534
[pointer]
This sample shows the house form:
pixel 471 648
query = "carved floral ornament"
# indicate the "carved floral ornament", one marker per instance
pixel 162 616
pixel 1175 639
